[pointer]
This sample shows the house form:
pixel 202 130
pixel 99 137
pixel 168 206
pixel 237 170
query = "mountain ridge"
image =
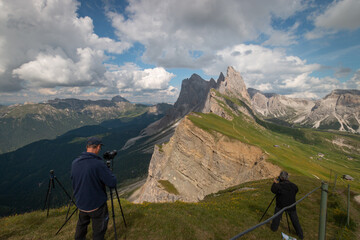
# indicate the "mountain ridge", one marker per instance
pixel 339 110
pixel 22 124
pixel 180 163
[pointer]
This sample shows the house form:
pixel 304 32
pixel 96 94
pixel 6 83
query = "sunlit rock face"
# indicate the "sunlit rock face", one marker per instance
pixel 198 163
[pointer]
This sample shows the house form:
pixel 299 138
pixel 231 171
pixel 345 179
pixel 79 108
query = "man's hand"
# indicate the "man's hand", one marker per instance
pixel 275 180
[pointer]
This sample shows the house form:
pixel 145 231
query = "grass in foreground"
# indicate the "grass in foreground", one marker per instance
pixel 219 216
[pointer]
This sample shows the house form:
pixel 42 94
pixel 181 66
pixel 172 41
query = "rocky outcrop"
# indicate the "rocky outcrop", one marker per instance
pixel 233 85
pixel 194 91
pixel 193 94
pixel 195 97
pixel 197 163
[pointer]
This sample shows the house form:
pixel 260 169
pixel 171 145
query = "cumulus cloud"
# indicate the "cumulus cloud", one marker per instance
pixel 131 77
pixel 51 70
pixel 44 43
pixel 272 70
pixel 171 31
pixel 341 15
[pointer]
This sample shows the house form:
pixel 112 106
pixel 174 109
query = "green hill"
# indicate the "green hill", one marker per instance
pixel 218 216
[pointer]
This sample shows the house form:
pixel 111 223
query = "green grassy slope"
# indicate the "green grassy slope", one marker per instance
pixel 293 155
pixel 218 216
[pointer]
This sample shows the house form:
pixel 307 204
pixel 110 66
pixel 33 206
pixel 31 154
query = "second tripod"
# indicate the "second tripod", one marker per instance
pixel 51 186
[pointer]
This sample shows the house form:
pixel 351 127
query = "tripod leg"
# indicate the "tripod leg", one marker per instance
pixel 64 190
pixel 113 212
pixel 267 208
pixel 67 213
pixel 122 213
pixel 66 221
pixel 47 195
pixel 49 199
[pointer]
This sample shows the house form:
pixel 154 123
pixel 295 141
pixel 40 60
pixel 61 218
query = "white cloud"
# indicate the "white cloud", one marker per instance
pixel 51 70
pixel 354 82
pixel 172 30
pixel 341 15
pixel 272 70
pixel 131 78
pixel 45 43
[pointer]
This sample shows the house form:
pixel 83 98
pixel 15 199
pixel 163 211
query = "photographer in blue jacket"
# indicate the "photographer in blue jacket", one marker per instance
pixel 90 176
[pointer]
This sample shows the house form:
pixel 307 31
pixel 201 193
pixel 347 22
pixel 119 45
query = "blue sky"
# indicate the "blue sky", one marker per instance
pixel 143 49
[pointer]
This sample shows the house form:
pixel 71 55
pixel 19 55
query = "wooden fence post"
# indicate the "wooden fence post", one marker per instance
pixel 323 210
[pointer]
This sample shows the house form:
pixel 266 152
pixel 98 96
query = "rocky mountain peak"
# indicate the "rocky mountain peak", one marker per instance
pixel 118 98
pixel 345 91
pixel 234 85
pixel 194 91
pixel 220 79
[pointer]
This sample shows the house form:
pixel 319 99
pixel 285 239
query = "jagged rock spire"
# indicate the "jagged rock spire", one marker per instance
pixel 233 85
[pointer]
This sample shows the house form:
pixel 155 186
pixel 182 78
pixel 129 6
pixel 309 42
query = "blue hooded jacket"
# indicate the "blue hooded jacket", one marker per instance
pixel 89 175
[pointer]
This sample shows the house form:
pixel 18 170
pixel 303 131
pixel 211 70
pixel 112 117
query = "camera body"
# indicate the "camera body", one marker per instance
pixel 109 155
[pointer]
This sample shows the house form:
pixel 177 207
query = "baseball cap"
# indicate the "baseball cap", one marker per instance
pixel 94 141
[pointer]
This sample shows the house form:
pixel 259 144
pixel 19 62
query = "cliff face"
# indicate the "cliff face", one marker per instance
pixel 197 163
pixel 192 97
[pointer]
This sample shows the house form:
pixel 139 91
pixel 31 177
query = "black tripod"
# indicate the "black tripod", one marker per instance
pixel 268 209
pixel 113 210
pixel 109 157
pixel 52 186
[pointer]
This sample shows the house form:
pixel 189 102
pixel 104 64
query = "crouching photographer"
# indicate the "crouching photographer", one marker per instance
pixel 90 176
pixel 285 196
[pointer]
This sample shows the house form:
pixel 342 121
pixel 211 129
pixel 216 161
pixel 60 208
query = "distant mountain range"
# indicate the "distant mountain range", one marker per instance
pixel 339 110
pixel 23 124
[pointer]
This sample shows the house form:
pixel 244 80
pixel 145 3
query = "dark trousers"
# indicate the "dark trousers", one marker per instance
pixel 294 219
pixel 99 218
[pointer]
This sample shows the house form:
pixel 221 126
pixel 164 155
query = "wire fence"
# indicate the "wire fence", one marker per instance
pixel 294 204
pixel 274 216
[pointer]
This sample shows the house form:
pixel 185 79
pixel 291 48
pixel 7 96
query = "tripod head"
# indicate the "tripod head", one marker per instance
pixel 109 157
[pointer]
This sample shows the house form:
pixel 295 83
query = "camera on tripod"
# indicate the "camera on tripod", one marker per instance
pixel 109 156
